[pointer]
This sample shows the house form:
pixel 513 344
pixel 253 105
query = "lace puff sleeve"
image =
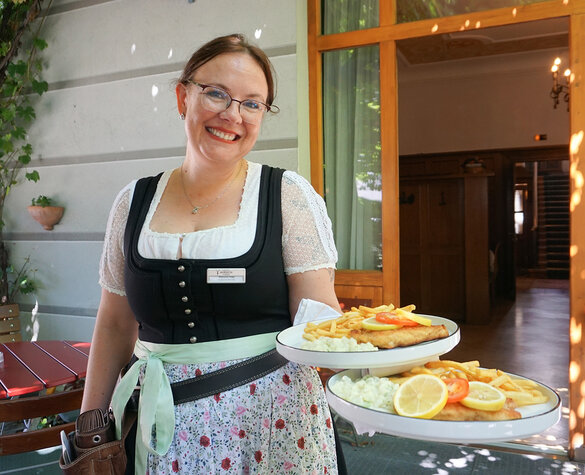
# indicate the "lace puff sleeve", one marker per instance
pixel 307 238
pixel 111 270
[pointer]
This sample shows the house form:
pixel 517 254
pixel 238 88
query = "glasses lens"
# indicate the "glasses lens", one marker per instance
pixel 215 99
pixel 252 111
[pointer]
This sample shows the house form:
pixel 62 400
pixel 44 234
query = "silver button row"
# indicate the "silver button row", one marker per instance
pixel 188 311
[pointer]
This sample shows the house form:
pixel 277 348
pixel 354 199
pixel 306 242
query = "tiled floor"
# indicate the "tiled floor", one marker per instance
pixel 529 337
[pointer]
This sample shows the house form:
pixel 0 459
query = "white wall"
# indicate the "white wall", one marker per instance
pixel 482 103
pixel 110 116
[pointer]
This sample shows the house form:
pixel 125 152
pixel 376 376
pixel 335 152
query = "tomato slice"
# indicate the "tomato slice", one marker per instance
pixel 458 388
pixel 393 319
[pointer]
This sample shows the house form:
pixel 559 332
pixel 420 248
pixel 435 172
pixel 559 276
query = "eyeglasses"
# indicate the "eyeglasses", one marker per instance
pixel 215 99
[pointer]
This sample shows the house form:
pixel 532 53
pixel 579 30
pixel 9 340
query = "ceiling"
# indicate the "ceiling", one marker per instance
pixel 473 43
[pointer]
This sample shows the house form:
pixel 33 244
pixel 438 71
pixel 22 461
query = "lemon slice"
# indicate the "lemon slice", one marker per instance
pixel 427 322
pixel 373 324
pixel 484 397
pixel 422 396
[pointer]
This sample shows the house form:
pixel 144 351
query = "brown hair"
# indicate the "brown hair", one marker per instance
pixel 234 43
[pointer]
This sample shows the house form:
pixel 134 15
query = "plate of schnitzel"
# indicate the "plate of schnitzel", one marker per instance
pixel 420 344
pixel 454 424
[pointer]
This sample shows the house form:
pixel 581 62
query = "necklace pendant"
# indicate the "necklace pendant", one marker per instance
pixel 195 210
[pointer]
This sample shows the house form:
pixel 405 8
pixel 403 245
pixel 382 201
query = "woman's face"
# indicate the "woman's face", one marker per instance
pixel 222 136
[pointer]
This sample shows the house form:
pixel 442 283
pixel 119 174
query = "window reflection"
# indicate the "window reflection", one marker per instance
pixel 519 197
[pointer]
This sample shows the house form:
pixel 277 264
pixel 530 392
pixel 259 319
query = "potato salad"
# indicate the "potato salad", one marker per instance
pixel 370 391
pixel 326 343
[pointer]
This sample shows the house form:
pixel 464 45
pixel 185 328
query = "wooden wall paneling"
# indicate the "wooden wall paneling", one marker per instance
pixel 350 285
pixel 352 294
pixel 412 195
pixel 443 249
pixel 357 277
pixel 477 305
pixel 577 210
pixel 501 231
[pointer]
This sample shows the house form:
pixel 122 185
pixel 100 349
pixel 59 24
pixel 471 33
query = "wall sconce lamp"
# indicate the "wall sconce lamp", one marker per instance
pixel 558 88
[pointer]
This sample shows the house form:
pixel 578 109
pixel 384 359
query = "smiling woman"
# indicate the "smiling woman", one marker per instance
pixel 239 244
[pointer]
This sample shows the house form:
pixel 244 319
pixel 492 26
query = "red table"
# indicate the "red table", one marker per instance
pixel 30 367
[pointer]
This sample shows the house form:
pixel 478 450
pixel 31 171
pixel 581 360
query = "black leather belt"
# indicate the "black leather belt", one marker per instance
pixel 227 378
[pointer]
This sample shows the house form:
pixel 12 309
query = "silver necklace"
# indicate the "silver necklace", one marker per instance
pixel 195 209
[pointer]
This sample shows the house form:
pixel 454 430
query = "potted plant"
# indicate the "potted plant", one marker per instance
pixel 20 80
pixel 44 212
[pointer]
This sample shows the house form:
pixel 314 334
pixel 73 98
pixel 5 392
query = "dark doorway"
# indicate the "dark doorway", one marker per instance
pixel 541 216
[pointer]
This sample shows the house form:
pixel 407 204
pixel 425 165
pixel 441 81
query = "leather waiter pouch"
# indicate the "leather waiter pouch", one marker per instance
pixel 92 448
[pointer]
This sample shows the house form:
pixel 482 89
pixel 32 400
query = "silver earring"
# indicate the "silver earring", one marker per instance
pixel 182 116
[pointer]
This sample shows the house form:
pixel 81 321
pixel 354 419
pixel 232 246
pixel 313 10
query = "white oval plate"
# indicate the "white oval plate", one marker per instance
pixel 395 360
pixel 535 419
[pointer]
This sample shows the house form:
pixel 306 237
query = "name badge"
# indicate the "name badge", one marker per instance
pixel 226 276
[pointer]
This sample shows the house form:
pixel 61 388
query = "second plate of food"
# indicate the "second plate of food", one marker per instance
pixel 534 419
pixel 289 343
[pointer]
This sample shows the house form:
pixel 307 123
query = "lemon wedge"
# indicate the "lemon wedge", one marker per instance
pixel 373 324
pixel 422 396
pixel 484 397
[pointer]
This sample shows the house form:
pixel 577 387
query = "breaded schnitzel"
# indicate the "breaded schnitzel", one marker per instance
pixel 458 412
pixel 405 336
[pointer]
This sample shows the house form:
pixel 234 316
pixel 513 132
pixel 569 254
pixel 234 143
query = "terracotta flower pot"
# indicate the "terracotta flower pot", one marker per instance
pixel 47 216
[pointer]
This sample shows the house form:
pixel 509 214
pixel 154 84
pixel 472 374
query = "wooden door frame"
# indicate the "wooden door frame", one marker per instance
pixel 386 36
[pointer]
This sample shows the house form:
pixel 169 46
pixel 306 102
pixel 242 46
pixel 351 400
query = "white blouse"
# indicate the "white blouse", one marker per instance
pixel 307 237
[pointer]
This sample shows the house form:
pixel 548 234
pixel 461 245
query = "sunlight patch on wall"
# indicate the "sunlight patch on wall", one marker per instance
pixel 34 320
pixel 576 174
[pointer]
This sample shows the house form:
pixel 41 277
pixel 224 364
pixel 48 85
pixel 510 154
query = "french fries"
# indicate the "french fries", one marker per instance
pixel 522 391
pixel 341 326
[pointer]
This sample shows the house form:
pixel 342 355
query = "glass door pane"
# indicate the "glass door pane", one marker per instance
pixel 413 10
pixel 351 127
pixel 340 16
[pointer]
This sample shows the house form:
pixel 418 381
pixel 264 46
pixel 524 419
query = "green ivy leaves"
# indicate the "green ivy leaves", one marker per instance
pixel 20 83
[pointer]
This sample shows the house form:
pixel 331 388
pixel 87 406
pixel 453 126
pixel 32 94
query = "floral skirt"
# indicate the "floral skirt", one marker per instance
pixel 279 423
